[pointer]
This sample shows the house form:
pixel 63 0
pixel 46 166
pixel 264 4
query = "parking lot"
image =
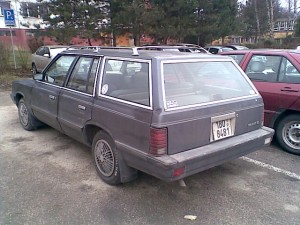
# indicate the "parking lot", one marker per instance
pixel 48 178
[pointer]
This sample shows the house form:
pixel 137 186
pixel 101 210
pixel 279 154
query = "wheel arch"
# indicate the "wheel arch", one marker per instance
pixel 18 97
pixel 90 130
pixel 282 115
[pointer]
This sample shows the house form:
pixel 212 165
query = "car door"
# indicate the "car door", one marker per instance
pixel 45 93
pixel 38 58
pixel 277 80
pixel 76 100
pixel 45 59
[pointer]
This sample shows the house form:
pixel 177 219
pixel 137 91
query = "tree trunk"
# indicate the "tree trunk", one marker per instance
pixel 288 22
pixel 257 20
pixel 270 9
pixel 272 19
pixel 89 41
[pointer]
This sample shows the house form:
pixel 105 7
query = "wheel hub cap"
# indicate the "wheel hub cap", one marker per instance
pixel 291 134
pixel 23 114
pixel 104 158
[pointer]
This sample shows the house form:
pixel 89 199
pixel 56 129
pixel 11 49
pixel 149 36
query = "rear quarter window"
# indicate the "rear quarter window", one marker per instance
pixel 236 58
pixel 127 81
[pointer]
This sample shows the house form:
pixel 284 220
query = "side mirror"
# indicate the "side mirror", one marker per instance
pixel 38 76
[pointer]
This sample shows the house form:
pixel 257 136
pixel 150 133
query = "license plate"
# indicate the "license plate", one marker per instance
pixel 222 127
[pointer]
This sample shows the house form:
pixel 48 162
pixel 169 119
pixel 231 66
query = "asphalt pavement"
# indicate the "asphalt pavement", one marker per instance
pixel 49 178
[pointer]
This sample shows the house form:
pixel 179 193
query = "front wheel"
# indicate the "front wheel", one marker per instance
pixel 27 120
pixel 106 158
pixel 288 134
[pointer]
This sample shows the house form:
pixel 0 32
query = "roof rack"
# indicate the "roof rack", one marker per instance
pixel 98 48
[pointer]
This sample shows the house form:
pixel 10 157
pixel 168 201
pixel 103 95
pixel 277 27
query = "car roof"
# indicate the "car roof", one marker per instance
pixel 170 46
pixel 56 46
pixel 236 47
pixel 214 46
pixel 136 53
pixel 263 51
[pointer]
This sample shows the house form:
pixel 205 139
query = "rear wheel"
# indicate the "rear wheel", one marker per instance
pixel 27 120
pixel 288 134
pixel 106 158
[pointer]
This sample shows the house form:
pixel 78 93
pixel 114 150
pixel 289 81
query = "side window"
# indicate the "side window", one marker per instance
pixel 288 72
pixel 263 68
pixel 129 83
pixel 213 50
pixel 46 51
pixel 113 65
pixel 237 58
pixel 58 70
pixel 40 51
pixel 84 74
pixel 92 76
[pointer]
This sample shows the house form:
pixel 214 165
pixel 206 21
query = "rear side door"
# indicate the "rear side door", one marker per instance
pixel 277 80
pixel 76 100
pixel 38 58
pixel 45 94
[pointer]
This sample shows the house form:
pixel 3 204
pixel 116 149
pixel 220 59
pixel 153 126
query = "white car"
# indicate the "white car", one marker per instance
pixel 44 55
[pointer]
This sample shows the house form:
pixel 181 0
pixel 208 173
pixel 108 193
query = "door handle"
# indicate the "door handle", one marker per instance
pixel 289 90
pixel 52 97
pixel 81 107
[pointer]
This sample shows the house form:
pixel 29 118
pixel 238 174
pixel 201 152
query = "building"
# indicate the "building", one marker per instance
pixel 24 26
pixel 28 17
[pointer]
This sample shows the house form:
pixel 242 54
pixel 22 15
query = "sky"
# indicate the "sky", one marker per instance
pixel 283 2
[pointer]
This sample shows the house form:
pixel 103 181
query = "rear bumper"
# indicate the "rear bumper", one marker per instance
pixel 199 159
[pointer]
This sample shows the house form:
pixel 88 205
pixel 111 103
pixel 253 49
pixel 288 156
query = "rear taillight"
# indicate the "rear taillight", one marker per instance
pixel 158 141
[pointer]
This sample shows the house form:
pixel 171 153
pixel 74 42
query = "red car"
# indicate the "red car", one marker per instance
pixel 276 75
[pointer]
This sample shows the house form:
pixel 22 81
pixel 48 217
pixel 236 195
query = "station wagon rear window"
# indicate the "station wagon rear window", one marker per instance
pixel 193 83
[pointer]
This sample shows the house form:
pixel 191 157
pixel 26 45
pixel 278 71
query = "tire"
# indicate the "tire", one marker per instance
pixel 288 133
pixel 27 120
pixel 106 158
pixel 34 69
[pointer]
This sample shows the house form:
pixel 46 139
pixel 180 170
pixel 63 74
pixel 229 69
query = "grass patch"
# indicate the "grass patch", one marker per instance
pixel 7 77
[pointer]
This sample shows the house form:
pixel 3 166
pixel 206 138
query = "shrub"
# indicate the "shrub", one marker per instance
pixel 4 58
pixel 23 59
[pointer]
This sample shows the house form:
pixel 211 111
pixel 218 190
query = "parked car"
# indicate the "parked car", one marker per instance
pixel 176 48
pixel 44 55
pixel 169 114
pixel 236 47
pixel 214 49
pixel 276 75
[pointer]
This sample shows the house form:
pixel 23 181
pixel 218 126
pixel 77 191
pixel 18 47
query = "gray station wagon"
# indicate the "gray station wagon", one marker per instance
pixel 168 114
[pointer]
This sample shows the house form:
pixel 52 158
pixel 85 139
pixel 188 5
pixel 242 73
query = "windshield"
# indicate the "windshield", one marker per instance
pixel 192 83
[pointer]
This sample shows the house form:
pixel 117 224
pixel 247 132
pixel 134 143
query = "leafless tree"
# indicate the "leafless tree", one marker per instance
pixel 270 9
pixel 257 20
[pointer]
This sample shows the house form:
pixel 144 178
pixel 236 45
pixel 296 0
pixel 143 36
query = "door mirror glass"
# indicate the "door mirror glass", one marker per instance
pixel 38 76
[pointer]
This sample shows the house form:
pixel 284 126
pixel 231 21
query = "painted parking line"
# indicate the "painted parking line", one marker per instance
pixel 273 168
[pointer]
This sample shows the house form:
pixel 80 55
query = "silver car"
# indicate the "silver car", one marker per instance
pixel 44 55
